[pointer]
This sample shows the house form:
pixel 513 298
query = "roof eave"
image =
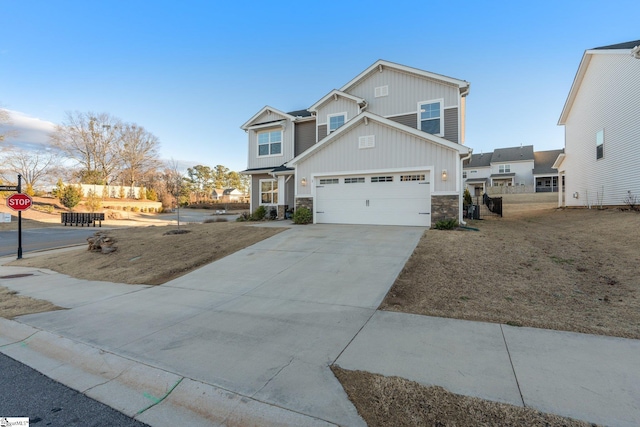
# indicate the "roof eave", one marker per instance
pixel 247 124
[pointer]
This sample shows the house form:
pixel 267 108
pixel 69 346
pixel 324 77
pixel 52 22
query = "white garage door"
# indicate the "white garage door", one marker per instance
pixel 381 199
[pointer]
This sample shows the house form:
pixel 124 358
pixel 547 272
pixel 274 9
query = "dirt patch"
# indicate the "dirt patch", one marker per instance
pixel 13 305
pixel 392 401
pixel 574 270
pixel 148 255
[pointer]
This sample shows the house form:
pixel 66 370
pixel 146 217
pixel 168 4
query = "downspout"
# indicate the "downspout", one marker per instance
pixel 461 192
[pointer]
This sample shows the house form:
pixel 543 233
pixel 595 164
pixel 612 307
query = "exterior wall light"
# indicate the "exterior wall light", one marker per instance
pixel 303 182
pixel 444 174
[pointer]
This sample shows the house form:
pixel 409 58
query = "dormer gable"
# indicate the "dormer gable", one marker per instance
pixel 267 116
pixel 333 96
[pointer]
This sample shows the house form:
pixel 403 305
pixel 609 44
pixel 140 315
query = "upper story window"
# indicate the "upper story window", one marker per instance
pixel 599 144
pixel 464 174
pixel 270 143
pixel 334 121
pixel 430 117
pixel 504 168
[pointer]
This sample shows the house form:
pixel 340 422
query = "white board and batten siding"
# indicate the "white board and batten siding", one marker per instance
pixel 608 99
pixel 341 105
pixel 287 127
pixel 394 150
pixel 405 90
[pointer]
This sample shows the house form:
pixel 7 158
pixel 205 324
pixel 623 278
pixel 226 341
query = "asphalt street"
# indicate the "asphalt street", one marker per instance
pixel 35 239
pixel 25 392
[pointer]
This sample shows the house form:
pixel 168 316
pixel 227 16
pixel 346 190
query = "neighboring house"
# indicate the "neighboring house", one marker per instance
pixel 544 175
pixel 512 166
pixel 228 195
pixel 385 148
pixel 602 128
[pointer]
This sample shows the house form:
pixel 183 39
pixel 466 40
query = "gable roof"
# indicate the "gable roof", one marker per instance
pixel 334 94
pixel 380 64
pixel 625 45
pixel 264 109
pixel 620 49
pixel 512 154
pixel 544 161
pixel 482 160
pixel 364 117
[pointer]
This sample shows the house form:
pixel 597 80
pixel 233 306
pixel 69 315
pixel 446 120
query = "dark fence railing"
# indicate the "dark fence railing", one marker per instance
pixel 77 218
pixel 494 204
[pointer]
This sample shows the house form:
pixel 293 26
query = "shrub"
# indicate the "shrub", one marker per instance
pixel 446 224
pixel 71 196
pixel 93 202
pixel 467 197
pixel 302 215
pixel 244 216
pixel 259 214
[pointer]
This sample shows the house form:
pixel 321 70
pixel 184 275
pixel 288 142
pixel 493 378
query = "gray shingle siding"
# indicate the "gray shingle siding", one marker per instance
pixel 451 124
pixel 305 136
pixel 410 120
pixel 322 132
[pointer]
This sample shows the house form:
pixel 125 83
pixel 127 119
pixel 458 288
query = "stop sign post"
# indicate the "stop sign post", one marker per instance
pixel 19 202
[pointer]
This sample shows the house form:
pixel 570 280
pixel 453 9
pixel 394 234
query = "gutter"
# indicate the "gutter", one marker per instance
pixel 461 192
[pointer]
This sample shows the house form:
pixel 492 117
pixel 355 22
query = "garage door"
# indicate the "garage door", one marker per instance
pixel 380 199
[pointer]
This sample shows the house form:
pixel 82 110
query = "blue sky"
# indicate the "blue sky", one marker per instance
pixel 192 72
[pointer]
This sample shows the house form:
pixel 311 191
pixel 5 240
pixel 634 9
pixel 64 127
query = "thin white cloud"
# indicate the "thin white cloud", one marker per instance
pixel 28 132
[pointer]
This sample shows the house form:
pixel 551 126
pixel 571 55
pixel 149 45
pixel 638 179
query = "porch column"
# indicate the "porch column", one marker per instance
pixel 559 189
pixel 282 195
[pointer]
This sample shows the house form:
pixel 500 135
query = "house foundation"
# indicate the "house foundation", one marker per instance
pixel 444 207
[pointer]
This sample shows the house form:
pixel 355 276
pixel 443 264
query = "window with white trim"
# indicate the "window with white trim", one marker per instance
pixel 270 143
pixel 382 179
pixel 354 180
pixel 325 181
pixel 368 141
pixel 464 174
pixel 430 117
pixel 268 192
pixel 381 91
pixel 504 168
pixel 600 144
pixel 334 121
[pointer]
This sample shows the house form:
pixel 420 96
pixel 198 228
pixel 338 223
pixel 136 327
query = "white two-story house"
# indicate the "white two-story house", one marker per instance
pixel 601 119
pixel 386 148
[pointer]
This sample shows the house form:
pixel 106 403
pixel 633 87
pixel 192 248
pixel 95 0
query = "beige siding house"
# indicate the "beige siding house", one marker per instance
pixel 602 128
pixel 386 148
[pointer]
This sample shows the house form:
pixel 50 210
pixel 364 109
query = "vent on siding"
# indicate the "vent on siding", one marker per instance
pixel 368 141
pixel 381 91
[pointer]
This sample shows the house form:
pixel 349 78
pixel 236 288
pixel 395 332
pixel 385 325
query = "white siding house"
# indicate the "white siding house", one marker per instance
pixel 602 128
pixel 387 150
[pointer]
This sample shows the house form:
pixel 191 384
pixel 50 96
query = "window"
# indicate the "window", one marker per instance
pixel 353 180
pixel 368 141
pixel 411 177
pixel 268 192
pixel 382 179
pixel 325 181
pixel 464 174
pixel 336 120
pixel 270 143
pixel 381 91
pixel 504 168
pixel 429 117
pixel 600 144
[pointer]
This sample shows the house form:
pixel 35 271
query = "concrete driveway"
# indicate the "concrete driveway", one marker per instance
pixel 263 324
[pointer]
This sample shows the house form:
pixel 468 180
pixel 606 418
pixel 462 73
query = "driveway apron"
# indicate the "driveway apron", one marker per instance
pixel 265 322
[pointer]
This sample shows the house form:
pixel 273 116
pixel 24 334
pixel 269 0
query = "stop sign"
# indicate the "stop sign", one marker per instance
pixel 19 202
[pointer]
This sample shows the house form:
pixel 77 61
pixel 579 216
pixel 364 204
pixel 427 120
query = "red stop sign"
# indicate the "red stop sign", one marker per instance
pixel 19 202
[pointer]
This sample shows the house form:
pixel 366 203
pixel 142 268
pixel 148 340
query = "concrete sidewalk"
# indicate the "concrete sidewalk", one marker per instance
pixel 250 338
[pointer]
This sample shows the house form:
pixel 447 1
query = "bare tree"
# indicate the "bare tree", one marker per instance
pixel 93 140
pixel 175 184
pixel 138 153
pixel 32 165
